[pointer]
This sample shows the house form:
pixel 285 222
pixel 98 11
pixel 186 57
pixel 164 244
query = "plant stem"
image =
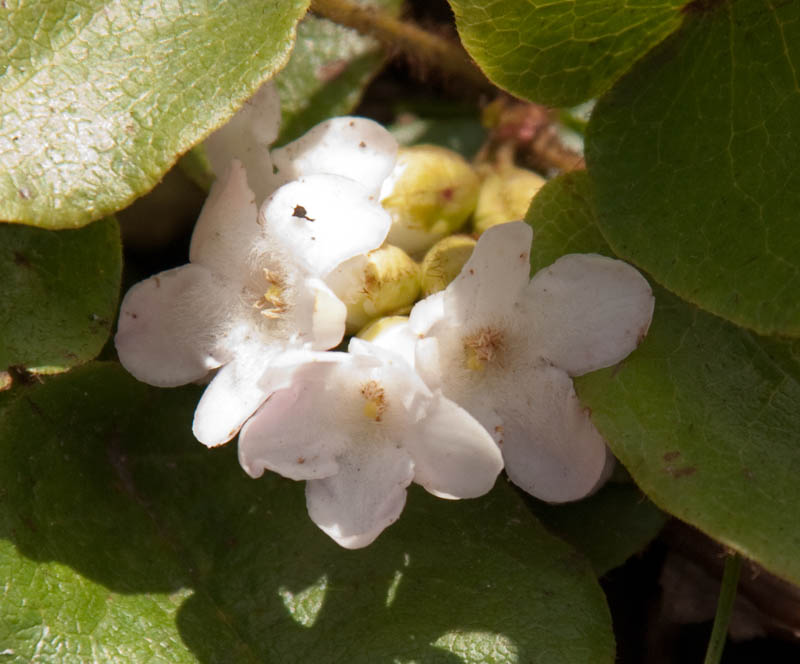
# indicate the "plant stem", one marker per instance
pixel 432 50
pixel 727 596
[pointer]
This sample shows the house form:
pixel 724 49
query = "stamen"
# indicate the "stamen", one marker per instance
pixel 376 404
pixel 271 303
pixel 482 347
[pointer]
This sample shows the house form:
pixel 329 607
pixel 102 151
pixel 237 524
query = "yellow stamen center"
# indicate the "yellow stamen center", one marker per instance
pixel 482 347
pixel 271 304
pixel 375 397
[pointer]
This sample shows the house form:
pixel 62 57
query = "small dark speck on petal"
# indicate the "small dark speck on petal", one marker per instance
pixel 301 213
pixel 362 144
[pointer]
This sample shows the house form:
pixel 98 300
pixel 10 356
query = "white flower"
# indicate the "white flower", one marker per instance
pixel 360 427
pixel 504 347
pixel 247 137
pixel 254 288
pixel 355 148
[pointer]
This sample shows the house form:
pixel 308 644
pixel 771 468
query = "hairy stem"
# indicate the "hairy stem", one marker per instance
pixel 417 44
pixel 727 595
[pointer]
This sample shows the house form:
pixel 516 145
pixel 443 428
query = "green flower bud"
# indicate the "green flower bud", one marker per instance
pixel 505 196
pixel 372 330
pixel 371 285
pixel 431 193
pixel 444 261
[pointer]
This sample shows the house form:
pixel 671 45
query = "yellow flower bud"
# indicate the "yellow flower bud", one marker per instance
pixel 371 285
pixel 431 193
pixel 505 196
pixel 372 330
pixel 444 261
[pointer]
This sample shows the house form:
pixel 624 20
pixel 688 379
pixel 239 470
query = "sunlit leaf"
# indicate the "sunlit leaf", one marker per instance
pixel 561 52
pixel 99 98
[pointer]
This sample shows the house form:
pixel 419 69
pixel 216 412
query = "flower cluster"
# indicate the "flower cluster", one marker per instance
pixel 288 254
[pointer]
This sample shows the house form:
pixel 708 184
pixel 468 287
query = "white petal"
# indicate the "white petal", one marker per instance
pixel 427 362
pixel 322 220
pixel 427 313
pixel 320 315
pixel 356 148
pixel 227 227
pixel 491 281
pixel 166 326
pixel 398 338
pixel 234 394
pixel 550 446
pixel 403 384
pixel 367 494
pixel 247 137
pixel 295 433
pixel 588 312
pixel 454 456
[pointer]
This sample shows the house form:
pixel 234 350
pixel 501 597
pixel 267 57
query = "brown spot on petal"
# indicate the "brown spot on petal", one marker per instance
pixel 301 213
pixel 301 460
pixel 362 144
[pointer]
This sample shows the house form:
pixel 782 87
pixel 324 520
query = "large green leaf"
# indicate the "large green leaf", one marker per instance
pixel 99 98
pixel 327 73
pixel 608 527
pixel 703 414
pixel 59 294
pixel 126 539
pixel 561 52
pixel 696 157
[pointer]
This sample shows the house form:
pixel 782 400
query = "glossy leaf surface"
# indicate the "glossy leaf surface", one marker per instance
pixel 98 99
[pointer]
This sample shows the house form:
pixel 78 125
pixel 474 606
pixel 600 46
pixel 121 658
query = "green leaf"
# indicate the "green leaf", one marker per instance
pixel 704 415
pixel 565 51
pixel 327 73
pixel 98 99
pixel 124 538
pixel 59 294
pixel 608 527
pixel 697 163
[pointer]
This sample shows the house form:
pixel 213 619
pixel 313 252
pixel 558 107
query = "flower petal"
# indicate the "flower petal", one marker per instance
pixel 490 282
pixel 322 220
pixel 234 394
pixel 397 337
pixel 320 314
pixel 454 456
pixel 426 313
pixel 367 494
pixel 166 326
pixel 293 433
pixel 356 148
pixel 227 227
pixel 587 312
pixel 247 137
pixel 550 446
